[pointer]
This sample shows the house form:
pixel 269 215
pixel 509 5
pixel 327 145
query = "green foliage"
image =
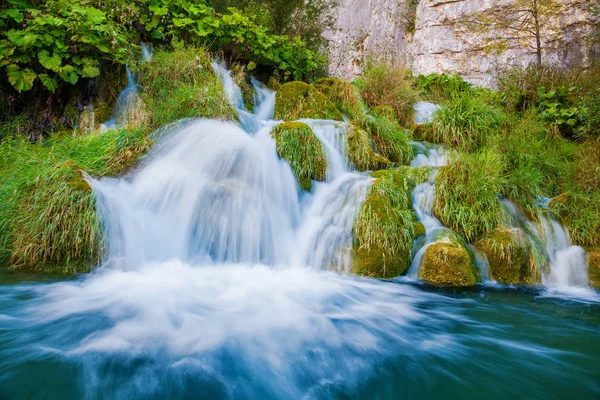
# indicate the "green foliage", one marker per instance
pixel 467 192
pixel 555 109
pixel 388 85
pixel 359 151
pixel 47 211
pixel 385 227
pixel 297 100
pixel 57 41
pixel 191 90
pixel 391 140
pixel 297 144
pixel 441 88
pixel 465 122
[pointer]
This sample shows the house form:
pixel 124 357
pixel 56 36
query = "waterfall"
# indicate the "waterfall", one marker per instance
pixel 424 112
pixel 237 202
pixel 146 52
pixel 127 101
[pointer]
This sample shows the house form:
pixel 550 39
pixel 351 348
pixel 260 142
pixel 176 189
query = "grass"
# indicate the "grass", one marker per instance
pixel 48 220
pixel 467 192
pixel 389 85
pixel 465 122
pixel 297 144
pixel 181 84
pixel 297 100
pixel 385 227
pixel 390 139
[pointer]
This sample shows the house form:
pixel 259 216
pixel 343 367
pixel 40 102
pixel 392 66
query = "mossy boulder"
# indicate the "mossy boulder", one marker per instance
pixel 297 144
pixel 343 95
pixel 448 263
pixel 510 257
pixel 390 139
pixel 594 267
pixel 359 151
pixel 297 100
pixel 385 227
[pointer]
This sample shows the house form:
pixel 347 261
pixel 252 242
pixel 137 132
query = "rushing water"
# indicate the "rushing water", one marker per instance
pixel 219 282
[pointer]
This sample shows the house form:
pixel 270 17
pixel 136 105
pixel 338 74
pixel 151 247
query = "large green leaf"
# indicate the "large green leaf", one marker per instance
pixel 90 71
pixel 20 79
pixel 53 63
pixel 49 82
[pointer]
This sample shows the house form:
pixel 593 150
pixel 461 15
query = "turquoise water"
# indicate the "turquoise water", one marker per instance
pixel 176 332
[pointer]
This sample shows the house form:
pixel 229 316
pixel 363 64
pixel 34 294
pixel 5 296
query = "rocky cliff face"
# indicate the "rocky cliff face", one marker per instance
pixel 365 27
pixel 444 42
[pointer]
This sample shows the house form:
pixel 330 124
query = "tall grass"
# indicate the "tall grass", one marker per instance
pixel 467 194
pixel 47 210
pixel 389 85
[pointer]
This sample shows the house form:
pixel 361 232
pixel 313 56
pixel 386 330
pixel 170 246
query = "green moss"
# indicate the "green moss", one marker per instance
pixel 594 267
pixel 48 220
pixel 343 95
pixel 419 229
pixel 297 144
pixel 385 112
pixel 467 191
pixel 385 227
pixel 448 263
pixel 359 152
pixel 510 257
pixel 181 84
pixel 391 140
pixel 297 100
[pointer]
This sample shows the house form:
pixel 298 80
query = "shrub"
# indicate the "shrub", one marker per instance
pixel 441 88
pixel 467 191
pixel 465 122
pixel 386 85
pixel 297 144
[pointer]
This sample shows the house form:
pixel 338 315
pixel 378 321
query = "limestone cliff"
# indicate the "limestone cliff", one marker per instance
pixel 444 41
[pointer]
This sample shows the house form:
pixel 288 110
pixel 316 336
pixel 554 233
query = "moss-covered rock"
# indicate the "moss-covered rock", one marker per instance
pixel 343 95
pixel 385 227
pixel 448 263
pixel 297 144
pixel 594 267
pixel 359 152
pixel 181 84
pixel 385 112
pixel 510 257
pixel 389 138
pixel 297 100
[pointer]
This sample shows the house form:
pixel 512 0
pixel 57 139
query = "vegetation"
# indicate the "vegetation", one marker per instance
pixel 297 100
pixel 359 151
pixel 447 262
pixel 386 85
pixel 343 95
pixel 467 194
pixel 390 139
pixel 385 227
pixel 510 256
pixel 298 145
pixel 47 215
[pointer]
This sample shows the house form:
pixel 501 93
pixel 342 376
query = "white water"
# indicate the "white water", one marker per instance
pixel 128 99
pixel 425 111
pixel 146 52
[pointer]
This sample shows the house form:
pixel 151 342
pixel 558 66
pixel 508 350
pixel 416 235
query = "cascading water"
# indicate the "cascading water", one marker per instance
pixel 126 102
pixel 424 111
pixel 146 52
pixel 567 268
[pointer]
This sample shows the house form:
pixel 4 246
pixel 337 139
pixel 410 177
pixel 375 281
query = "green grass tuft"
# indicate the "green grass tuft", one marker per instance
pixel 390 139
pixel 359 152
pixel 343 95
pixel 298 100
pixel 297 144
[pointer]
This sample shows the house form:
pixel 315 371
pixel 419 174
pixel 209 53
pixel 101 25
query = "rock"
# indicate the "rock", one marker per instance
pixel 297 100
pixel 385 227
pixel 448 263
pixel 297 144
pixel 510 257
pixel 343 95
pixel 359 150
pixel 594 267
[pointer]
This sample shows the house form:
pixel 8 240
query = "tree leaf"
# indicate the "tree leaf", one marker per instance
pixel 49 82
pixel 20 79
pixel 53 63
pixel 90 71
